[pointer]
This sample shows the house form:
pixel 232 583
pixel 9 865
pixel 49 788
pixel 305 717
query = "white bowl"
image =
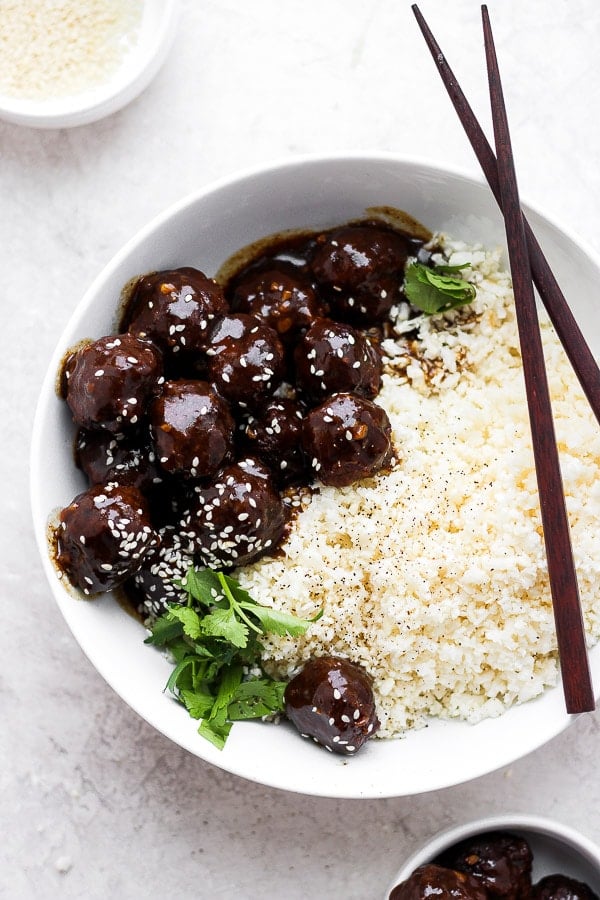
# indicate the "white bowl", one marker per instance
pixel 202 231
pixel 139 66
pixel 556 848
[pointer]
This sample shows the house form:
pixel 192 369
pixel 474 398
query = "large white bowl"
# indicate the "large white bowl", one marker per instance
pixel 556 848
pixel 203 230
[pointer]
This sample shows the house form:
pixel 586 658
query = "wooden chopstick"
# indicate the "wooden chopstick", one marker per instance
pixel 569 333
pixel 577 684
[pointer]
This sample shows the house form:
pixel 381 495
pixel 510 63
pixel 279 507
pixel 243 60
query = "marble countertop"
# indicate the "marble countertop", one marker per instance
pixel 95 803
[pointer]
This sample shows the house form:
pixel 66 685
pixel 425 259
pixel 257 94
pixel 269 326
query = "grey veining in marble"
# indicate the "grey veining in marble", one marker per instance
pixel 93 802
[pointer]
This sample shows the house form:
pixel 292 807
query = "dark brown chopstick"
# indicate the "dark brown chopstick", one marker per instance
pixel 569 333
pixel 525 254
pixel 572 649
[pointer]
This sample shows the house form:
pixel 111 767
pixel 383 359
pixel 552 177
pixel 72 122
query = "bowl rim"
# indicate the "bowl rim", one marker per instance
pixel 86 106
pixel 542 825
pixel 47 390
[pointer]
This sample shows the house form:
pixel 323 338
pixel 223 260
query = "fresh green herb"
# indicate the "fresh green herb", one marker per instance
pixel 214 640
pixel 437 289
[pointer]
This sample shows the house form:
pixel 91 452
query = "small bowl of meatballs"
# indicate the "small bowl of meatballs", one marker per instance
pixel 222 376
pixel 509 857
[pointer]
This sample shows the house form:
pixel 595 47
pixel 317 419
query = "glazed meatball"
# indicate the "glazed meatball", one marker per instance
pixel 346 438
pixel 347 257
pixel 434 881
pixel 175 309
pixel 370 303
pixel 331 700
pixel 238 517
pixel 281 296
pixel 109 382
pixel 559 887
pixel 332 357
pixel 275 435
pixel 501 862
pixel 154 584
pixel 193 429
pixel 246 360
pixel 103 536
pixel 127 458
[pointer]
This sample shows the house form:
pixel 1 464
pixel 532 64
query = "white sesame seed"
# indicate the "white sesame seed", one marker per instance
pixel 336 694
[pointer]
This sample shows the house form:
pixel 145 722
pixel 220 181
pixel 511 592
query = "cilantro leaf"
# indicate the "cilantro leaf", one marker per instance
pixel 163 631
pixel 435 290
pixel 230 681
pixel 215 732
pixel 203 585
pixel 256 698
pixel 276 622
pixel 198 703
pixel 214 639
pixel 177 672
pixel 189 619
pixel 223 623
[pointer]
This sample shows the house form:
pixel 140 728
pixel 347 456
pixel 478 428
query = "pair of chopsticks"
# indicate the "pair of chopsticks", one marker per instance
pixel 527 261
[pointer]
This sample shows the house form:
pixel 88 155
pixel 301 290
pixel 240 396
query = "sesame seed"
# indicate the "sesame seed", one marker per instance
pixel 336 694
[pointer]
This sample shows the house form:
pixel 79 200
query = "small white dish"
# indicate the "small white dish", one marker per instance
pixel 139 66
pixel 204 230
pixel 556 848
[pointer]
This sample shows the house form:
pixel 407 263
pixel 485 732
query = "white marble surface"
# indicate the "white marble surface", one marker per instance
pixel 94 803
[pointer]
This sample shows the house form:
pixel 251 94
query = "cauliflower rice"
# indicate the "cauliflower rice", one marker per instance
pixel 433 576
